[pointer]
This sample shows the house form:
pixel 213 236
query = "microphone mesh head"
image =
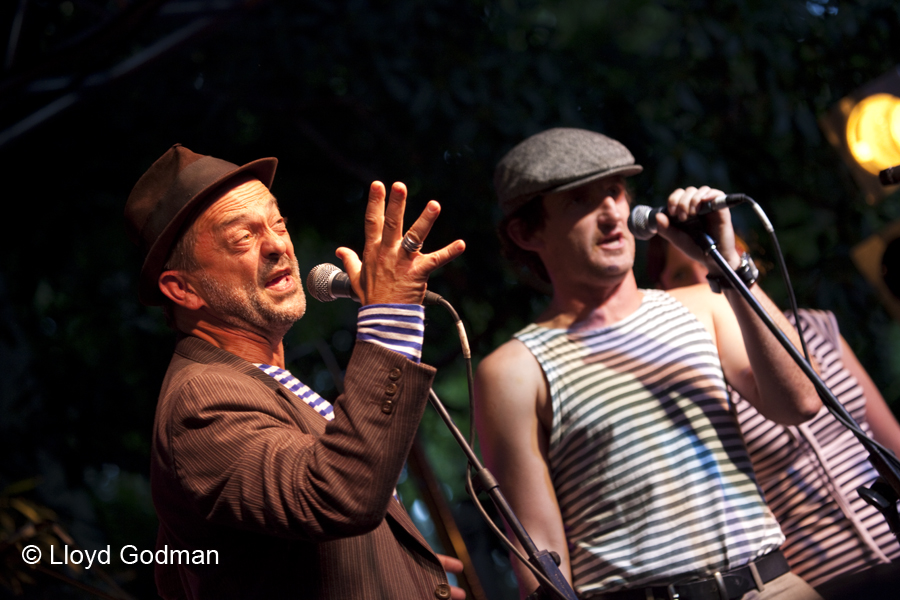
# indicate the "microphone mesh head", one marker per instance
pixel 639 222
pixel 318 282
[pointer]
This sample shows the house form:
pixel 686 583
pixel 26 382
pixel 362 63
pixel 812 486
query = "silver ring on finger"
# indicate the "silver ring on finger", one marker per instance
pixel 409 245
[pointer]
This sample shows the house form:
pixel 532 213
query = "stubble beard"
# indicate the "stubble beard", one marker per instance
pixel 617 264
pixel 247 305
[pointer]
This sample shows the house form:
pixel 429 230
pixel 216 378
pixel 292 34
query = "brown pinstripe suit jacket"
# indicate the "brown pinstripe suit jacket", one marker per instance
pixel 242 466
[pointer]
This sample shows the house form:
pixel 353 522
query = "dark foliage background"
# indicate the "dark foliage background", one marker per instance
pixel 429 93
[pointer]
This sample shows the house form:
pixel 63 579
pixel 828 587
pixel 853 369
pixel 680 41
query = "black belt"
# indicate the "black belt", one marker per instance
pixel 722 586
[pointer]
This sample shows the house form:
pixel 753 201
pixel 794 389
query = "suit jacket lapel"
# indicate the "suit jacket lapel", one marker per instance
pixel 311 418
pixel 204 352
pixel 196 349
pixel 401 518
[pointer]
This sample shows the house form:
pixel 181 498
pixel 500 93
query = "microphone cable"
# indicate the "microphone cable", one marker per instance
pixel 850 423
pixel 327 282
pixel 486 479
pixel 782 267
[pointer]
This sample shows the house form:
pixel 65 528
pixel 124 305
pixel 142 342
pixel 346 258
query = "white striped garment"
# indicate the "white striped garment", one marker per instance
pixel 299 389
pixel 399 327
pixel 652 476
pixel 319 404
pixel 809 474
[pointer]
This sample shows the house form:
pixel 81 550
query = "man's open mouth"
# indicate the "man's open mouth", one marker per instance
pixel 281 281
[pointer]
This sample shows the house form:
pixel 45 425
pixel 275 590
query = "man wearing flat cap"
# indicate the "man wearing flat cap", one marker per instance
pixel 606 421
pixel 264 489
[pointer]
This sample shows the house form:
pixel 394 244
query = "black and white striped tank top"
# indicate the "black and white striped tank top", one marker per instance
pixel 649 468
pixel 809 473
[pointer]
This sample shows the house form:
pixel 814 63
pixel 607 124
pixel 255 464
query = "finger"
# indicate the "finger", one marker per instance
pixel 713 193
pixel 392 230
pixel 422 227
pixel 672 206
pixel 353 267
pixel 352 263
pixel 684 203
pixel 663 220
pixel 697 197
pixel 439 258
pixel 457 593
pixel 375 213
pixel 450 564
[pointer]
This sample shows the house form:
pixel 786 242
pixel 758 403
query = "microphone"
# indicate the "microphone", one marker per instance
pixel 327 282
pixel 890 176
pixel 642 220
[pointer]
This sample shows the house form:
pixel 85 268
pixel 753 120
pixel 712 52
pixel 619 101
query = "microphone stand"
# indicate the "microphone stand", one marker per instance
pixel 885 491
pixel 543 560
pixel 545 564
pixel 327 282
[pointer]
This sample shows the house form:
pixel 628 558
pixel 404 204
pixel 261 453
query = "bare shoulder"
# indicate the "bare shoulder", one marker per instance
pixel 512 412
pixel 707 306
pixel 699 299
pixel 509 375
pixel 511 355
pixel 693 295
pixel 512 363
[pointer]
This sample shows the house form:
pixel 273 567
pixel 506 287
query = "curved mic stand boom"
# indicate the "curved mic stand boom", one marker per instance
pixel 884 492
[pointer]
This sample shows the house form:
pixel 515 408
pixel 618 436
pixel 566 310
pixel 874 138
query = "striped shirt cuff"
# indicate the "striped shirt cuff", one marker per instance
pixel 398 327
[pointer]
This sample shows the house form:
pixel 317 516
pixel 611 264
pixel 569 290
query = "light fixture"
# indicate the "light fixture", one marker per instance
pixel 864 128
pixel 878 259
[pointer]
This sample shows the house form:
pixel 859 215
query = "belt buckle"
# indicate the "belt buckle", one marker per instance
pixel 672 592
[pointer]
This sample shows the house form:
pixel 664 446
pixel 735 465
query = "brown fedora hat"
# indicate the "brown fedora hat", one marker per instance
pixel 168 196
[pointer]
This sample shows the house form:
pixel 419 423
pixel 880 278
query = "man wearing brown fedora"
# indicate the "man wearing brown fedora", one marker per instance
pixel 263 489
pixel 606 421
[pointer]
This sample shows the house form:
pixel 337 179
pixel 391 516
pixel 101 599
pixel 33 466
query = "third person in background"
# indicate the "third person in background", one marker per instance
pixel 809 473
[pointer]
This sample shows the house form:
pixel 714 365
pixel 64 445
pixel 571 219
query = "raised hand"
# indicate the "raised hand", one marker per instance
pixel 394 271
pixel 682 205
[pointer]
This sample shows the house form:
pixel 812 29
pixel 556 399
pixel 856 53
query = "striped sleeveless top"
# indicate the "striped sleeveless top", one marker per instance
pixel 651 473
pixel 809 473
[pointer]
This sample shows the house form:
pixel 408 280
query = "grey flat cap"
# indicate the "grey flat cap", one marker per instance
pixel 556 160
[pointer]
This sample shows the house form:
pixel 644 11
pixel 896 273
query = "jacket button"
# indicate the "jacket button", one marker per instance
pixel 395 373
pixel 442 591
pixel 390 389
pixel 387 407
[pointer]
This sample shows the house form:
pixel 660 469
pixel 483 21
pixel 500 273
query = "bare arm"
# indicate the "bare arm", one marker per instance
pixel 884 425
pixel 513 416
pixel 759 368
